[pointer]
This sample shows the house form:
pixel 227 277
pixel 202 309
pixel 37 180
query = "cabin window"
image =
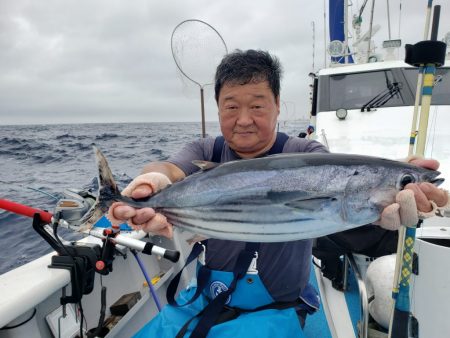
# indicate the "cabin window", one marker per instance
pixel 354 91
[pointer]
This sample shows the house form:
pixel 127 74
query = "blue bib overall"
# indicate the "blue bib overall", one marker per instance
pixel 249 310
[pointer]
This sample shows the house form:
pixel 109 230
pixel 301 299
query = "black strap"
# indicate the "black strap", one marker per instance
pixel 216 311
pixel 214 308
pixel 202 278
pixel 229 313
pixel 233 312
pixel 217 150
pixel 277 147
pixel 185 327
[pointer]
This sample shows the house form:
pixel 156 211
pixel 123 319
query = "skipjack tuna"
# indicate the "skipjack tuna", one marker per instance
pixel 276 198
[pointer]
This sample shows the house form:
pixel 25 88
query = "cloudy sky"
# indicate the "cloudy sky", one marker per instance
pixel 78 61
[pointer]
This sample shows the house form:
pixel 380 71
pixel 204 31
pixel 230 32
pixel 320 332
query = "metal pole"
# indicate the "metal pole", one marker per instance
pixel 435 27
pixel 413 134
pixel 399 18
pixel 427 89
pixel 202 100
pixel 345 31
pixel 324 34
pixel 314 45
pixel 370 30
pixel 389 19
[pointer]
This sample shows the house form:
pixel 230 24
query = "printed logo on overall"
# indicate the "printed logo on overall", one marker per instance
pixel 218 287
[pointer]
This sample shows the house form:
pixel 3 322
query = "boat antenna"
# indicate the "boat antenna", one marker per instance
pixel 399 24
pixel 389 19
pixel 325 34
pixel 370 30
pixel 197 48
pixel 313 44
pixel 362 8
pixel 346 50
pixel 400 18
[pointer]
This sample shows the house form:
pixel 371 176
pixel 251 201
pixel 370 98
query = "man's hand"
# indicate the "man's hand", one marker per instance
pixel 416 200
pixel 146 218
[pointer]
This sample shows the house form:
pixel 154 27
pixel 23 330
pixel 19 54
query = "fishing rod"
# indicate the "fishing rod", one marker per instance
pixel 132 243
pixel 428 55
pixel 84 260
pixel 402 231
pixel 414 131
pixel 24 210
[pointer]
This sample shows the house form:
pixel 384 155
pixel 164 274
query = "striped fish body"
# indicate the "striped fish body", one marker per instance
pixel 285 197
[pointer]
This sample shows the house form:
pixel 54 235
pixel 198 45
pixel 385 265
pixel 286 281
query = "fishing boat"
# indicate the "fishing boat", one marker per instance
pixel 367 107
pixel 116 297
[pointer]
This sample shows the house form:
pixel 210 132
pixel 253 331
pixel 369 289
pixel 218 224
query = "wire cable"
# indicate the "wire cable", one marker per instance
pixel 20 324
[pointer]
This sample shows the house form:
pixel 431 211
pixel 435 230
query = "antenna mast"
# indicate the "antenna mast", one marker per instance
pixel 345 31
pixel 324 35
pixel 389 19
pixel 370 30
pixel 314 45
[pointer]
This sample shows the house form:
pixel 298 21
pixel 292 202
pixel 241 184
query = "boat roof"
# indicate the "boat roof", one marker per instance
pixel 364 67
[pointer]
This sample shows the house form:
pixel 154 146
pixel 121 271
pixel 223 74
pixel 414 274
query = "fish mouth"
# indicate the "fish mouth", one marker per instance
pixel 437 181
pixel 432 177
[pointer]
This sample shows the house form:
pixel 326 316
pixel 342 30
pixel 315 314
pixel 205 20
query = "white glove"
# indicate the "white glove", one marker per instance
pixel 403 212
pixel 156 181
pixel 415 198
pixel 145 218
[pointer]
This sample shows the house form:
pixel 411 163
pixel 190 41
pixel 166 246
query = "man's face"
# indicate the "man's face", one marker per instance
pixel 248 117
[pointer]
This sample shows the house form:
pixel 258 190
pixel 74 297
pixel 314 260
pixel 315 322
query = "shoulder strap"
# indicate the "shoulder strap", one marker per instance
pixel 202 278
pixel 217 151
pixel 278 146
pixel 213 309
pixel 209 315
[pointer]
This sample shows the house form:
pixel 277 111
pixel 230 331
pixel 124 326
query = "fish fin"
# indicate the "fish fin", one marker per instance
pixel 107 194
pixel 205 165
pixel 294 196
pixel 300 199
pixel 312 204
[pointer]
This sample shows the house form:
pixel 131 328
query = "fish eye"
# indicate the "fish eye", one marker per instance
pixel 406 179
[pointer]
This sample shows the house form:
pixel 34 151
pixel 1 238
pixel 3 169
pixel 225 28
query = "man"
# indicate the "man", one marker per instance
pixel 247 92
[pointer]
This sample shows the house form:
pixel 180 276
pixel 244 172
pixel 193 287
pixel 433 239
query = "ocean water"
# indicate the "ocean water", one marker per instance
pixel 38 160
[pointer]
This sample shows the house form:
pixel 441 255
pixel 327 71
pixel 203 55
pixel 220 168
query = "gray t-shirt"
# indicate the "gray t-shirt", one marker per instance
pixel 283 267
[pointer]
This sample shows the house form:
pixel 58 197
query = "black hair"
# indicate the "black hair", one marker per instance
pixel 243 67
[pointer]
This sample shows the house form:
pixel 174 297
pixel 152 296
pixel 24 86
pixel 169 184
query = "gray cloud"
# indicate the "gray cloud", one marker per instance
pixel 95 61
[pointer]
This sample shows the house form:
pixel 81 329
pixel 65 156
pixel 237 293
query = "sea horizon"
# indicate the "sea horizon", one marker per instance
pixel 134 122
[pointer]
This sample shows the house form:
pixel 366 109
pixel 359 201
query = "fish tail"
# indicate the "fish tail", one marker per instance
pixel 108 192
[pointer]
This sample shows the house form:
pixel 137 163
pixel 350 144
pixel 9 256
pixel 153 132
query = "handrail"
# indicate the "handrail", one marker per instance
pixel 364 323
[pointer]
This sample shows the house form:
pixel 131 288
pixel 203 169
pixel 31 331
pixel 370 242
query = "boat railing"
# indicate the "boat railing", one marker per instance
pixel 364 321
pixel 324 138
